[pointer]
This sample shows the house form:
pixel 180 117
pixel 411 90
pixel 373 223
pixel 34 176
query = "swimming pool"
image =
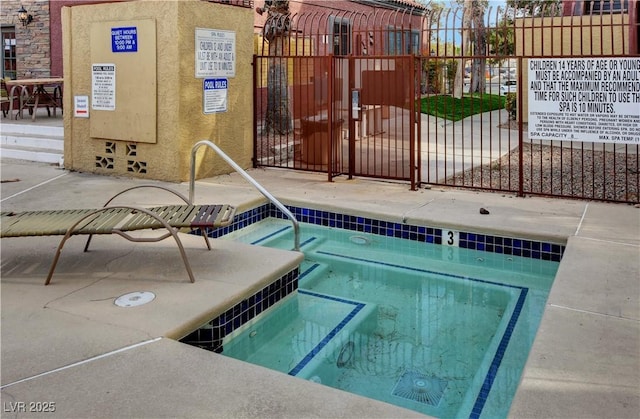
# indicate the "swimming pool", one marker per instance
pixel 440 329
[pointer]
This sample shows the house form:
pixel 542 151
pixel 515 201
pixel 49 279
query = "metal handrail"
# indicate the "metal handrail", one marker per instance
pixel 252 181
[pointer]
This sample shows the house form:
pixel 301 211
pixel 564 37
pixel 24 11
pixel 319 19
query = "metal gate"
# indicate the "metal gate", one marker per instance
pixel 295 100
pixel 382 122
pixel 348 116
pixel 338 94
pixel 379 95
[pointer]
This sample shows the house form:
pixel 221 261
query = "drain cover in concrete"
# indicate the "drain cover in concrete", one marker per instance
pixel 134 299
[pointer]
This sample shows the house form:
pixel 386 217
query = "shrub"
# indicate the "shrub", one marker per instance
pixel 511 105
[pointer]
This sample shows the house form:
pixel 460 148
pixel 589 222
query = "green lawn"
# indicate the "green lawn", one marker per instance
pixel 454 109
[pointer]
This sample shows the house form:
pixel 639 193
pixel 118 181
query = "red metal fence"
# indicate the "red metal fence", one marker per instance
pixel 241 3
pixel 357 94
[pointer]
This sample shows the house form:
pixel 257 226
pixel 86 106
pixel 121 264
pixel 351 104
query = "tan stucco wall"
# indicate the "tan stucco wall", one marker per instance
pixel 573 35
pixel 580 36
pixel 180 118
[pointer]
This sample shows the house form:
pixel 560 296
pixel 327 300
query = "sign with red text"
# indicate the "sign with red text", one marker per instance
pixel 81 106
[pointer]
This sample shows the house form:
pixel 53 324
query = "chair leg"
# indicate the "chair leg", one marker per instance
pixel 35 107
pixel 206 239
pixel 86 246
pixel 57 98
pixel 57 256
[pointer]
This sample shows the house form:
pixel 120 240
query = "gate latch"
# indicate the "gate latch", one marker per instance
pixel 355 104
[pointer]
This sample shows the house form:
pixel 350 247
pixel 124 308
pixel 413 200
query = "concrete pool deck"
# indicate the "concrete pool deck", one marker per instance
pixel 68 344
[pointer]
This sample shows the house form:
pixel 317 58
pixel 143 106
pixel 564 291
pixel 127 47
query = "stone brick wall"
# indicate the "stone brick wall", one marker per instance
pixel 33 43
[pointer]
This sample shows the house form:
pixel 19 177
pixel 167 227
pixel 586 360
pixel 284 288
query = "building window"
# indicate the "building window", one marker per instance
pixel 402 42
pixel 606 6
pixel 341 34
pixel 9 52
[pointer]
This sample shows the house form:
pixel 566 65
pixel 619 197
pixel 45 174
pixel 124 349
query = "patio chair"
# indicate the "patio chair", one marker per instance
pixel 4 98
pixel 119 219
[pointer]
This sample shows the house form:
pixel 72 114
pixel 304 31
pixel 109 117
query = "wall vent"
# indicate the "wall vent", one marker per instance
pixel 132 150
pixel 136 166
pixel 110 147
pixel 104 162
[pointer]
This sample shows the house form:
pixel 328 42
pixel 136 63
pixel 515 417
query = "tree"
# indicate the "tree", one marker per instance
pixel 479 63
pixel 465 45
pixel 276 32
pixel 536 8
pixel 501 38
pixel 473 29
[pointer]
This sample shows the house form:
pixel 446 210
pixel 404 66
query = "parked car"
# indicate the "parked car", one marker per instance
pixel 509 86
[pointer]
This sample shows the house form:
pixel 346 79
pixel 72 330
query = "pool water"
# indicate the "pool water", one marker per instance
pixel 439 330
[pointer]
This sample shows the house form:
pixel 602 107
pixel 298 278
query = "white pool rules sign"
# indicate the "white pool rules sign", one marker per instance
pixel 215 53
pixel 214 96
pixel 585 99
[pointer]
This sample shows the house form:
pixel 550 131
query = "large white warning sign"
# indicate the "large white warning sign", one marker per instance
pixel 585 99
pixel 215 53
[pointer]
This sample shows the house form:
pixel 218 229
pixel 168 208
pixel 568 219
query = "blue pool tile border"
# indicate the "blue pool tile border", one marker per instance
pixel 476 411
pixel 467 240
pixel 211 335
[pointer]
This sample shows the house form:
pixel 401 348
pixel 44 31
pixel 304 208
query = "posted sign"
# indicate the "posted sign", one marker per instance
pixel 124 39
pixel 214 95
pixel 215 53
pixel 103 87
pixel 585 99
pixel 81 106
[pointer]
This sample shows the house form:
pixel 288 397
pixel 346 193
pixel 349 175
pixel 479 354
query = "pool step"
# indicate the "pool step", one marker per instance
pixel 274 234
pixel 339 344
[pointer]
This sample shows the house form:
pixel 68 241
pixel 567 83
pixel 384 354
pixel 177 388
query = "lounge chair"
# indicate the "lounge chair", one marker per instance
pixel 118 219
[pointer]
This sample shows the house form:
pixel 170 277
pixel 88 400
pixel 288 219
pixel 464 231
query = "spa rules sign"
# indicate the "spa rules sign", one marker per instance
pixel 215 53
pixel 585 99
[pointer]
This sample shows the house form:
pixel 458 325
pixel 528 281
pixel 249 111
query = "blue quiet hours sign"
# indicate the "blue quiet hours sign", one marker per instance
pixel 124 39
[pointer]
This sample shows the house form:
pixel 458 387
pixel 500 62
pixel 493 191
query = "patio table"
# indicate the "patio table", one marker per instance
pixel 32 92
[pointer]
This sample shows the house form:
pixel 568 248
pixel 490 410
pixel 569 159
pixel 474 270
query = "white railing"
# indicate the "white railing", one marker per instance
pixel 244 174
